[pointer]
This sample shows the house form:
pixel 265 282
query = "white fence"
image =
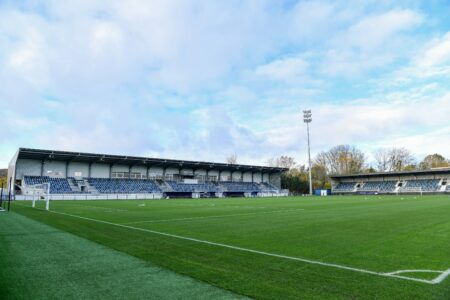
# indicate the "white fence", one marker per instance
pixel 93 197
pixel 282 193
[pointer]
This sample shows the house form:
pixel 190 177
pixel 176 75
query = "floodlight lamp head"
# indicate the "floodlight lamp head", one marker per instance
pixel 307 116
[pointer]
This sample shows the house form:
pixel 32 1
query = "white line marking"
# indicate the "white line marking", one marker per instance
pixel 413 271
pixel 217 216
pixel 441 277
pixel 437 280
pixel 97 207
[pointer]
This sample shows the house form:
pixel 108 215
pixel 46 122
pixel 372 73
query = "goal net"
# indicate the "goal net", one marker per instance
pixel 41 193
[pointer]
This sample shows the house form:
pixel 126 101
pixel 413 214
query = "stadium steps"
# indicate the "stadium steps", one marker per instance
pixel 90 188
pixel 221 188
pixel 73 185
pixel 164 186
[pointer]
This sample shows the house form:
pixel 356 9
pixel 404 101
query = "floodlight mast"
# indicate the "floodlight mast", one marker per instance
pixel 307 118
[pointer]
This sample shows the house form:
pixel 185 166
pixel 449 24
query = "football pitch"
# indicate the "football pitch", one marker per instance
pixel 355 247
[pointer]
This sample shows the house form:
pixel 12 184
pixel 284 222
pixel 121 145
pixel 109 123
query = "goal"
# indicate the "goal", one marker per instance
pixel 41 193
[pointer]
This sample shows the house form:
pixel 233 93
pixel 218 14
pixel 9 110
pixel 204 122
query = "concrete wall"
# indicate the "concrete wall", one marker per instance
pixel 224 175
pixel 155 171
pixel 257 177
pixel 213 173
pixel 55 168
pixel 30 167
pixel 75 167
pixel 11 172
pixel 236 175
pixel 247 176
pixel 171 171
pixel 139 169
pixel 186 171
pixel 120 168
pixel 200 172
pixel 100 170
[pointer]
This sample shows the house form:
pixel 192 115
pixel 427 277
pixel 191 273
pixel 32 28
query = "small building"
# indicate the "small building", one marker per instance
pixel 405 182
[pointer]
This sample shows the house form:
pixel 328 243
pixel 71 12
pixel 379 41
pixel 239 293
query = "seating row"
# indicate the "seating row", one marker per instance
pixel 133 186
pixel 390 186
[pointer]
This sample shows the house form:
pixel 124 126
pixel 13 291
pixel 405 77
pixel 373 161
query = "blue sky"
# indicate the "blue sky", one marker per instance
pixel 205 79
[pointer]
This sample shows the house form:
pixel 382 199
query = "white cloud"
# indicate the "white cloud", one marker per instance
pixel 27 59
pixel 437 53
pixel 373 42
pixel 430 62
pixel 375 31
pixel 104 37
pixel 184 79
pixel 287 69
pixel 410 119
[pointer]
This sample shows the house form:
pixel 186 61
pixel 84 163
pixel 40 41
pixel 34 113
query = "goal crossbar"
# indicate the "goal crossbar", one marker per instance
pixel 43 190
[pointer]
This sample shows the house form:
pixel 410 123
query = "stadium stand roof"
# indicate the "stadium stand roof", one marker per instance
pixel 27 153
pixel 435 171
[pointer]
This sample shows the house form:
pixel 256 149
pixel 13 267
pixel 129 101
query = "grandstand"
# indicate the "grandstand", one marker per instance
pixel 434 181
pixel 74 175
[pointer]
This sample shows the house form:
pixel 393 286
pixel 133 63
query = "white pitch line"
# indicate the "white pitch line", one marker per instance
pixel 314 262
pixel 97 207
pixel 217 216
pixel 441 277
pixel 414 271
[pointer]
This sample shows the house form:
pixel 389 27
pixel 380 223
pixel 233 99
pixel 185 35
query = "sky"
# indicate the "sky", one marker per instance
pixel 200 80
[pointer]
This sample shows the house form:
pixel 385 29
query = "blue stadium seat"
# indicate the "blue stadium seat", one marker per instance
pixel 345 187
pixel 57 185
pixel 378 186
pixel 428 185
pixel 193 188
pixel 124 186
pixel 241 187
pixel 135 186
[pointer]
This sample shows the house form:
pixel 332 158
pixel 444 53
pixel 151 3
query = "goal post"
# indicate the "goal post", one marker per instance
pixel 42 191
pixel 1 199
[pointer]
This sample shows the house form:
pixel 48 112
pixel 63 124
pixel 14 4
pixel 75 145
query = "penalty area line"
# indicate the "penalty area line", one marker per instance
pixel 314 262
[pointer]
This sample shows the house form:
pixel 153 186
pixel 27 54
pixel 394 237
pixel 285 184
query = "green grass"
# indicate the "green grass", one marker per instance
pixel 41 262
pixel 380 234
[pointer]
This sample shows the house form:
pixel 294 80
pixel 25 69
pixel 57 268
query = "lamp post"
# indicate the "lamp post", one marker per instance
pixel 307 118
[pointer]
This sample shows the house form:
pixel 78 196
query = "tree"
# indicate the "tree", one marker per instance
pixel 370 169
pixel 283 161
pixel 394 159
pixel 341 159
pixel 382 159
pixel 295 181
pixel 411 167
pixel 433 161
pixel 3 181
pixel 399 159
pixel 319 177
pixel 232 159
